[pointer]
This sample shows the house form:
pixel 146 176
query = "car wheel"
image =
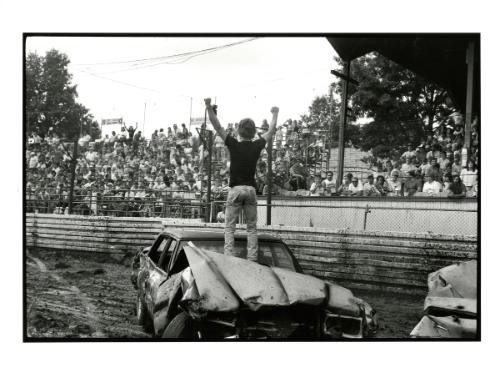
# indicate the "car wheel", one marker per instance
pixel 181 327
pixel 142 315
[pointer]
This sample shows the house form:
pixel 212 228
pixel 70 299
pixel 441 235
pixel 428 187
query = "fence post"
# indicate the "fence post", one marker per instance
pixel 73 171
pixel 367 210
pixel 90 204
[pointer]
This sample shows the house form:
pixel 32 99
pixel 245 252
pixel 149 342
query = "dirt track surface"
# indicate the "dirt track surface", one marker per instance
pixel 79 295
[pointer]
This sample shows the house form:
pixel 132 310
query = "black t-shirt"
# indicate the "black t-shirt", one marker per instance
pixel 244 156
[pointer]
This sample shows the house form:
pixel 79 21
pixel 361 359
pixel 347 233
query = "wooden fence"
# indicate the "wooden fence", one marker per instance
pixel 393 261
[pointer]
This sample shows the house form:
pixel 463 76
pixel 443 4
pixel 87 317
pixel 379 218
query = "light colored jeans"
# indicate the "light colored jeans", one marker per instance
pixel 241 197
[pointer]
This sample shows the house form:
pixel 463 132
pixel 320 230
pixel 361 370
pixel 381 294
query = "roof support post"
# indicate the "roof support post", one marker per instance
pixel 469 96
pixel 343 122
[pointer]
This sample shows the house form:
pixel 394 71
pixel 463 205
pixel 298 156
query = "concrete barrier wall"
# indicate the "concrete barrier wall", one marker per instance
pixel 358 259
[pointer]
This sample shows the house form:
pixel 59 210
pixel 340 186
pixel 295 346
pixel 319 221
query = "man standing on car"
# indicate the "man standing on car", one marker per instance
pixel 244 153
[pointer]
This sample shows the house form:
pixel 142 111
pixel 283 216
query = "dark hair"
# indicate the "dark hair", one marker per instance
pixel 474 167
pixel 246 129
pixel 381 178
pixel 456 188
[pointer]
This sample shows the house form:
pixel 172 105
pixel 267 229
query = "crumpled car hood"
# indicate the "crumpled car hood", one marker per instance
pixel 450 307
pixel 227 283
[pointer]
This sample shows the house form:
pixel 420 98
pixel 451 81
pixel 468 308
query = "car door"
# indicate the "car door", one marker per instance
pixel 158 274
pixel 148 268
pixel 169 287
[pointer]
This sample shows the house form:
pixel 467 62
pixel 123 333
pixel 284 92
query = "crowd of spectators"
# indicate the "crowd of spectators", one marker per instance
pixel 126 173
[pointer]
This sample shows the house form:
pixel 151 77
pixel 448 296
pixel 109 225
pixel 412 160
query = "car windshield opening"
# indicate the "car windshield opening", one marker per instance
pixel 272 254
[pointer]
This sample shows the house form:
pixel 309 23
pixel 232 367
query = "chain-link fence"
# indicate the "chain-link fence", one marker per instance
pixel 405 214
pixel 132 203
pixel 434 215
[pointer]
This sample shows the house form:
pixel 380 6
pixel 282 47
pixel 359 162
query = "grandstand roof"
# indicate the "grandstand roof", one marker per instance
pixel 440 58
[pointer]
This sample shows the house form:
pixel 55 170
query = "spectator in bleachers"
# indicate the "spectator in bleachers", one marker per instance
pixel 456 189
pixel 344 187
pixel 219 148
pixel 382 186
pixel 279 137
pixel 409 153
pixel 131 131
pixel 407 167
pixel 329 182
pixel 355 189
pixel 396 168
pixel 433 169
pixel 369 188
pixel 413 183
pixel 447 180
pixel 298 175
pixel 432 187
pixel 394 183
pixel 387 169
pixel 456 167
pixel 33 162
pixel 468 175
pixel 316 188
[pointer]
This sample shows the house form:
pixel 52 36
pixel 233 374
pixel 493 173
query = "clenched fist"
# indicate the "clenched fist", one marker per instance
pixel 208 101
pixel 275 110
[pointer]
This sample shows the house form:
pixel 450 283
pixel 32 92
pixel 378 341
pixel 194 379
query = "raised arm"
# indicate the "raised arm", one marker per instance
pixel 268 136
pixel 214 120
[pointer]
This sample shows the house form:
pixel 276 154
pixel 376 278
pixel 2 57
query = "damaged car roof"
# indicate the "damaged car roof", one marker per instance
pixel 200 234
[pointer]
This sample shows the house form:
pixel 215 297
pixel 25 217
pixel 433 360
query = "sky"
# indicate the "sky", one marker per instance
pixel 245 80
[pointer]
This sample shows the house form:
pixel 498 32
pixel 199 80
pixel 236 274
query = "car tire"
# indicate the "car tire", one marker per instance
pixel 142 316
pixel 181 327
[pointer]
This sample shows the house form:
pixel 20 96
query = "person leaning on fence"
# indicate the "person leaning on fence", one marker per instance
pixel 355 189
pixel 316 188
pixel 369 188
pixel 244 154
pixel 412 184
pixel 432 187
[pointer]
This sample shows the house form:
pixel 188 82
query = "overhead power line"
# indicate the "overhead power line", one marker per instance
pixel 178 58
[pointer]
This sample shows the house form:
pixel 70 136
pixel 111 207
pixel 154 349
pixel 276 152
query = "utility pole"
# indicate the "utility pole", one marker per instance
pixel 468 101
pixel 206 138
pixel 144 118
pixel 190 112
pixel 209 189
pixel 73 172
pixel 73 168
pixel 329 135
pixel 343 117
pixel 269 180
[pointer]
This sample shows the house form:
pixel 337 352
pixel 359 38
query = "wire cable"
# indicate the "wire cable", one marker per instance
pixel 162 58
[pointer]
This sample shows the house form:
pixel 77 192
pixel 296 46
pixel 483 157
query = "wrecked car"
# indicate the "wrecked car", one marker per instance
pixel 450 308
pixel 188 289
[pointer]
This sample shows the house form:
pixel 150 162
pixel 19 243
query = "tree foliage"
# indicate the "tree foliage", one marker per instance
pixel 402 106
pixel 51 104
pixel 323 110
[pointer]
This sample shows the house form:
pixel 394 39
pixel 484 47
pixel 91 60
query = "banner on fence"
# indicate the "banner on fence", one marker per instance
pixel 198 120
pixel 111 121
